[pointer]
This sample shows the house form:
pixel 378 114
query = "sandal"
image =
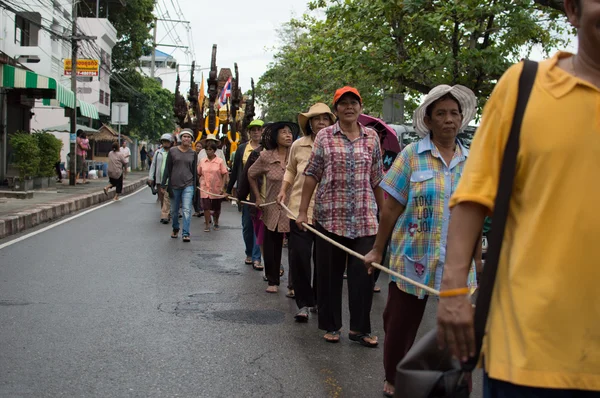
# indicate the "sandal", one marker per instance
pixel 106 191
pixel 376 289
pixel 281 272
pixel 248 261
pixel 257 266
pixel 302 315
pixel 361 338
pixel 207 229
pixel 216 227
pixel 385 393
pixel 272 289
pixel 186 238
pixel 290 293
pixel 334 339
pixel 175 234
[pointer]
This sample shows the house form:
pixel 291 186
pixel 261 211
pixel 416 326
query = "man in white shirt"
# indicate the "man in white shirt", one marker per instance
pixel 127 153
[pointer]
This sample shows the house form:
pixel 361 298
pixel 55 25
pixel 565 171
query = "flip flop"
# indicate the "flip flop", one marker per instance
pixel 175 234
pixel 207 229
pixel 257 266
pixel 216 227
pixel 336 337
pixel 360 338
pixel 105 191
pixel 186 239
pixel 248 262
pixel 302 315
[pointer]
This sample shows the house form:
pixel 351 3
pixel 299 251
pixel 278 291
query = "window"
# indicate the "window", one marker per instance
pixel 107 99
pixel 101 98
pixel 27 28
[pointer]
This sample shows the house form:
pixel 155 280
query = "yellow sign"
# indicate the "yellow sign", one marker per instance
pixel 85 67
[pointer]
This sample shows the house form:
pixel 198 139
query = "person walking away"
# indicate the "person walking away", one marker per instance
pixel 150 157
pixel 346 167
pixel 143 155
pixel 301 243
pixel 271 164
pixel 116 161
pixel 180 180
pixel 252 249
pixel 419 185
pixel 127 153
pixel 213 176
pixel 542 336
pixel 155 176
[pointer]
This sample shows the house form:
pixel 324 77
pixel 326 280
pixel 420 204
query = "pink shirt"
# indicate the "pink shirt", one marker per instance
pixel 212 173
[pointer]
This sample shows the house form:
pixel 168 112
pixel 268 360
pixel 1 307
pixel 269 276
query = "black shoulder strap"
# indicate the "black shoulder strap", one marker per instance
pixel 501 207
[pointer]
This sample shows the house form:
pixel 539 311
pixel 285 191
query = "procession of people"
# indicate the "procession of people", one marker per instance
pixel 321 181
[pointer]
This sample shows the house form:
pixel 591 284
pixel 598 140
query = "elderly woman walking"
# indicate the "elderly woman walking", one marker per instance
pixel 301 243
pixel 420 183
pixel 214 176
pixel 346 164
pixel 116 162
pixel 180 180
pixel 271 164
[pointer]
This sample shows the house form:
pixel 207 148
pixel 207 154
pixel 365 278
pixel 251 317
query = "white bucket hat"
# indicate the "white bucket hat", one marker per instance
pixel 466 98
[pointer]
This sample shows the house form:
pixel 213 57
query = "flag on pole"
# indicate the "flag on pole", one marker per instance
pixel 201 96
pixel 226 93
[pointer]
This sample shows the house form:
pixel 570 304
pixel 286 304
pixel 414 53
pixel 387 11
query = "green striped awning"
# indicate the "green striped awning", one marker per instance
pixel 88 110
pixel 65 98
pixel 13 77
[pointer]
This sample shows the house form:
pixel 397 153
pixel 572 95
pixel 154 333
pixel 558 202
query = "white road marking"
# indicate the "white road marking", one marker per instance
pixel 66 220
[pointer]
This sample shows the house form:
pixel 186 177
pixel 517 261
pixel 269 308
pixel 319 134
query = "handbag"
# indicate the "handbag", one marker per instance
pixel 426 371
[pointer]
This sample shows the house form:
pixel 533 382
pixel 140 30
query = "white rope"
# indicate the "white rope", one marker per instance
pixel 229 197
pixel 360 256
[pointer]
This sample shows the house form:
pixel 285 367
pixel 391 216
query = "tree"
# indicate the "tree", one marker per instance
pixel 405 46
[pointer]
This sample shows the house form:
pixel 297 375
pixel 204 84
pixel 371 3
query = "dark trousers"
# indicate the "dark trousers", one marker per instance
pixel 58 172
pixel 272 247
pixel 493 388
pixel 331 263
pixel 117 183
pixel 401 319
pixel 197 202
pixel 301 251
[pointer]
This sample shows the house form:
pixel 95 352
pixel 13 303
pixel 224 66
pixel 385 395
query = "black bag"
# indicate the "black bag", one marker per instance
pixel 425 371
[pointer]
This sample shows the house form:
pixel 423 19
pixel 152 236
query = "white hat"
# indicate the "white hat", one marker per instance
pixel 188 132
pixel 211 137
pixel 465 97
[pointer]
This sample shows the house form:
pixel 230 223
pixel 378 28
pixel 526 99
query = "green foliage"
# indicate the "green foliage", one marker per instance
pixel 49 153
pixel 150 105
pixel 402 46
pixel 26 154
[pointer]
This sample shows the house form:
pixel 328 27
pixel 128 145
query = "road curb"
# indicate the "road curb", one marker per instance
pixel 43 213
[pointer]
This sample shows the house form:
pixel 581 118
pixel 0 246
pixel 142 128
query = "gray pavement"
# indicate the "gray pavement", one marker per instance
pixel 108 305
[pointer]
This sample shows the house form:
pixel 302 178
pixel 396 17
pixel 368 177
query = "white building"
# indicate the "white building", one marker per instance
pixel 34 44
pixel 165 68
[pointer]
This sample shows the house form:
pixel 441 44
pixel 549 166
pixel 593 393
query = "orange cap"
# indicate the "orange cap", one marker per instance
pixel 345 90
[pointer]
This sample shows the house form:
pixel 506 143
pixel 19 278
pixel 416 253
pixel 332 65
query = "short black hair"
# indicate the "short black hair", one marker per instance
pixel 115 146
pixel 271 133
pixel 429 109
pixel 210 144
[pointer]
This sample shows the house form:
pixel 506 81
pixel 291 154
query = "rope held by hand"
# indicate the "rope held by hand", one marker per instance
pixel 215 196
pixel 360 256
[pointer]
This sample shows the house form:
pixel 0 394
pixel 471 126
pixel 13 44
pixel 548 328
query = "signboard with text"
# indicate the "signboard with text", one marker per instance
pixel 85 67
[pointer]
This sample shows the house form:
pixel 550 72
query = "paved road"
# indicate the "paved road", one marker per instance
pixel 107 305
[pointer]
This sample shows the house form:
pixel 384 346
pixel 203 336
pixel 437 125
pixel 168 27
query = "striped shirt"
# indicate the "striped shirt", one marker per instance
pixel 347 172
pixel 421 181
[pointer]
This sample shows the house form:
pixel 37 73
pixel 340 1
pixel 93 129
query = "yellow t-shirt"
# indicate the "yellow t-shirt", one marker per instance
pixel 543 328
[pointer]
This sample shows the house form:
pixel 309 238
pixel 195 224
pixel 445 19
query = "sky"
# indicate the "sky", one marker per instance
pixel 245 32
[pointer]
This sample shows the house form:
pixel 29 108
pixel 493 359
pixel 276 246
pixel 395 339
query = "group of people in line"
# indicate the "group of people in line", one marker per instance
pixel 542 335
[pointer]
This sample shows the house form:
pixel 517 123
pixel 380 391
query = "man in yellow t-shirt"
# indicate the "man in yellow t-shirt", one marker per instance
pixel 543 329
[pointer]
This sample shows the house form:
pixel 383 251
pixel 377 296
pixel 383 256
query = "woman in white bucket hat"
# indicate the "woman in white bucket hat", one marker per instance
pixel 420 184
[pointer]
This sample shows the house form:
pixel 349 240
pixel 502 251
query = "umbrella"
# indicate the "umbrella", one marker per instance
pixel 389 139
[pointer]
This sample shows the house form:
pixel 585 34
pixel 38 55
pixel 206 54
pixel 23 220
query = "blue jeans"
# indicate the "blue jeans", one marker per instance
pixel 493 388
pixel 185 197
pixel 252 249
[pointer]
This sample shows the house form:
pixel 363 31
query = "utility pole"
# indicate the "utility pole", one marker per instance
pixel 73 130
pixel 74 47
pixel 152 63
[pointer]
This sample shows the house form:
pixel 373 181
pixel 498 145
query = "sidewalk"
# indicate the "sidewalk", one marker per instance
pixel 17 215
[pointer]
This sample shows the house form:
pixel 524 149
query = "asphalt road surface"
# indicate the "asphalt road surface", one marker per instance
pixel 108 305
